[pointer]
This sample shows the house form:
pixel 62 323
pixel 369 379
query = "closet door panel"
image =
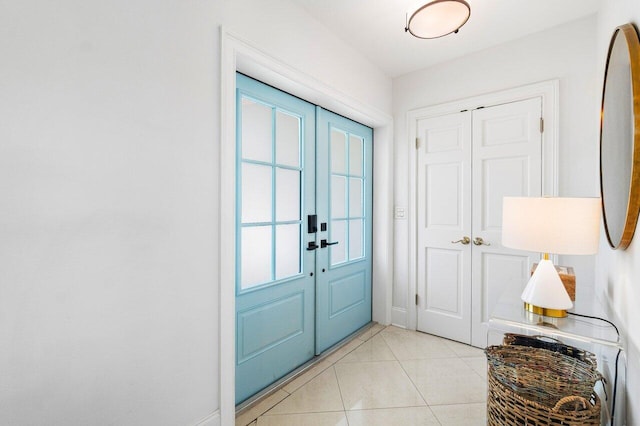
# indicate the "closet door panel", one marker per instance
pixel 444 217
pixel 507 161
pixel 467 163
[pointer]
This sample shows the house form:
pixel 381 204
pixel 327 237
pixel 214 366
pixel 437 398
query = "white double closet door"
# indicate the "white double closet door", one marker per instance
pixel 467 162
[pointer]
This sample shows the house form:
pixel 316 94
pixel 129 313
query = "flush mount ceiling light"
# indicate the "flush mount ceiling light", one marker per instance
pixel 438 18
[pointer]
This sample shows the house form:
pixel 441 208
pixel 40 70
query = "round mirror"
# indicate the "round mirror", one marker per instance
pixel 620 138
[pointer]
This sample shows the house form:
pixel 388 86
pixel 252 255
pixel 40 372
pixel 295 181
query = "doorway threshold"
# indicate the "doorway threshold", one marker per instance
pixel 263 401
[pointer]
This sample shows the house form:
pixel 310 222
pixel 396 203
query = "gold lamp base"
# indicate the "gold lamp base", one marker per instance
pixel 554 313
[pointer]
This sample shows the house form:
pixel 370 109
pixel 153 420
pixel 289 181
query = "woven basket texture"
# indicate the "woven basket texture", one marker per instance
pixel 506 408
pixel 540 375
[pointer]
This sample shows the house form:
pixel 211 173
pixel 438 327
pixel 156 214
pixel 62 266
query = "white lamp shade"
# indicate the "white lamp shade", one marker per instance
pixel 545 288
pixel 438 18
pixel 551 225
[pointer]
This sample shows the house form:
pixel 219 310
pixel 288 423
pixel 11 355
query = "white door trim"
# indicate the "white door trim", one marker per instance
pixel 239 55
pixel 547 90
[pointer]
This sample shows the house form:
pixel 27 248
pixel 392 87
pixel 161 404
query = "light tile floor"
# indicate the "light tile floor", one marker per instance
pixel 385 376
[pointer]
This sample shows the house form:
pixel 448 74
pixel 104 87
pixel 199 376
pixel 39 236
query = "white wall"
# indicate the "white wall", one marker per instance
pixel 618 272
pixel 566 53
pixel 109 189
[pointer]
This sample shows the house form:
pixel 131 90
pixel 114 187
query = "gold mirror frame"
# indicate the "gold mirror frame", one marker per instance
pixel 620 138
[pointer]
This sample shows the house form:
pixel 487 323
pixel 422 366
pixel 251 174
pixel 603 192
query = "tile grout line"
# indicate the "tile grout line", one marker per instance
pixel 455 355
pixel 341 397
pixel 483 378
pixel 414 384
pixel 333 363
pixel 346 416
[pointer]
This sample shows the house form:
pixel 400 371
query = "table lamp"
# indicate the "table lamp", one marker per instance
pixel 550 225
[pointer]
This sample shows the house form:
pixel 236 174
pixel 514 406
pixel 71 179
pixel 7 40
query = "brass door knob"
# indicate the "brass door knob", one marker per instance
pixel 479 241
pixel 464 240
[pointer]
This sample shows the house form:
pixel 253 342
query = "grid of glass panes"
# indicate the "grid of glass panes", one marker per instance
pixel 270 176
pixel 347 212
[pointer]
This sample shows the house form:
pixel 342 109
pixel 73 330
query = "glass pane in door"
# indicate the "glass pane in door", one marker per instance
pixel 338 196
pixel 356 242
pixel 338 151
pixel 356 156
pixel 256 256
pixel 356 199
pixel 256 193
pixel 287 251
pixel 287 139
pixel 256 130
pixel 287 195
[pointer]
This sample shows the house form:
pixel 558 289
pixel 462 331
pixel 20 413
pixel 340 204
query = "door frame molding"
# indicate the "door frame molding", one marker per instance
pixel 237 54
pixel 547 90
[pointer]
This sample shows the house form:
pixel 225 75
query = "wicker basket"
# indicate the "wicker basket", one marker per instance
pixel 540 375
pixel 505 407
pixel 551 344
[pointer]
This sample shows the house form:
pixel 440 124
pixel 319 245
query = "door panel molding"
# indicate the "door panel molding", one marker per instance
pixel 452 176
pixel 547 91
pixel 451 260
pixel 346 293
pixel 490 171
pixel 251 346
pixel 510 267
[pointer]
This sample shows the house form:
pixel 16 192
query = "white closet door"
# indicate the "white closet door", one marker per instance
pixel 467 162
pixel 444 216
pixel 507 161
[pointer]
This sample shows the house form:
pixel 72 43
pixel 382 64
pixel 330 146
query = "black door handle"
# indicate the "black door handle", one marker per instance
pixel 312 246
pixel 324 243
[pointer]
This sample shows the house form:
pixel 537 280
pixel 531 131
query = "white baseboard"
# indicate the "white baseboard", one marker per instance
pixel 212 419
pixel 399 317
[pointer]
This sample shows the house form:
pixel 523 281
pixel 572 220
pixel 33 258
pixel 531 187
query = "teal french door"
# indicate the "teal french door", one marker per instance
pixel 303 232
pixel 344 193
pixel 275 282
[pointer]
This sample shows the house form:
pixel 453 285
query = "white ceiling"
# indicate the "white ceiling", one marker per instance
pixel 376 27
